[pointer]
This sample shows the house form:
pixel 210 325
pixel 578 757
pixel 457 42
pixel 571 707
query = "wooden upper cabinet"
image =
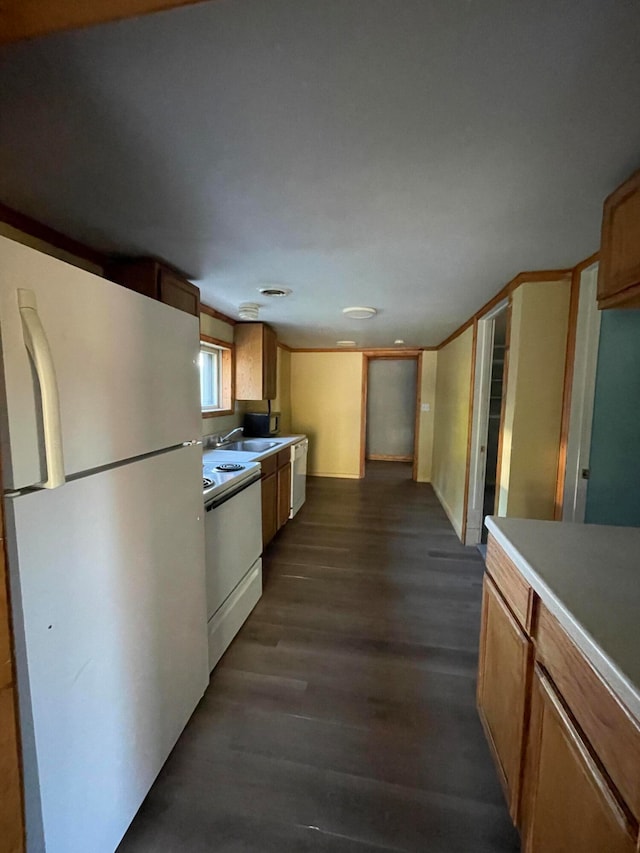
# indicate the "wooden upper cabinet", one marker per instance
pixel 568 804
pixel 619 271
pixel 256 361
pixel 157 280
pixel 503 679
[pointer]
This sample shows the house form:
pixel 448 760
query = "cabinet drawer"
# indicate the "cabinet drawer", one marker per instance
pixel 611 730
pixel 284 457
pixel 515 590
pixel 269 465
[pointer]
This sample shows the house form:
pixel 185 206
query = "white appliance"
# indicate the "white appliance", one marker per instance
pixel 233 544
pixel 299 453
pixel 105 537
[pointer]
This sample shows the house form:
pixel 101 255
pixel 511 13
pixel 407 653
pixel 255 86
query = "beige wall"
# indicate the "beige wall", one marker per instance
pixel 326 392
pixel 451 426
pixel 533 404
pixel 426 419
pixel 215 328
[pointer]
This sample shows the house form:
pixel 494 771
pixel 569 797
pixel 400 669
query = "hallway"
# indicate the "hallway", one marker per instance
pixel 343 716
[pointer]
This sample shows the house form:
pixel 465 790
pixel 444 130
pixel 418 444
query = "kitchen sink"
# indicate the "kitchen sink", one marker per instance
pixel 253 445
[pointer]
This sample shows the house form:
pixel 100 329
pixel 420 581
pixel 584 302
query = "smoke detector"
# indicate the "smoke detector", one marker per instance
pixel 359 312
pixel 248 310
pixel 274 290
pixel 345 343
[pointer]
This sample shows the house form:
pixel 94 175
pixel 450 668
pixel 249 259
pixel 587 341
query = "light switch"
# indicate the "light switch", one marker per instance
pixel 425 407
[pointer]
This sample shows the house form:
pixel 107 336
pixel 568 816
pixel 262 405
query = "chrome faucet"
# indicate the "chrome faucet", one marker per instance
pixel 226 439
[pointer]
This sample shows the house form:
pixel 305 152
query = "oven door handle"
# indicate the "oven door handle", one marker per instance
pixel 216 502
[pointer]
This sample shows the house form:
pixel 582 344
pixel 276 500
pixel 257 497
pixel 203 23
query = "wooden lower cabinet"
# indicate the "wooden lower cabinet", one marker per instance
pixel 503 682
pixel 568 804
pixel 565 747
pixel 269 508
pixel 284 494
pixel 276 493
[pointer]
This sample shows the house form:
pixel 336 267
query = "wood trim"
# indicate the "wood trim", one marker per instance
pixel 43 232
pixel 417 420
pixel 503 293
pixel 217 413
pixel 382 457
pixel 228 377
pixel 12 828
pixel 457 333
pixel 207 309
pixel 27 19
pixel 363 413
pixel 285 347
pixel 217 342
pixel 367 356
pixel 467 473
pixel 503 403
pixel 380 352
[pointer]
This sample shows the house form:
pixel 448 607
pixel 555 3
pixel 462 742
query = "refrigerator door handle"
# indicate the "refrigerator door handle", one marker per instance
pixel 38 346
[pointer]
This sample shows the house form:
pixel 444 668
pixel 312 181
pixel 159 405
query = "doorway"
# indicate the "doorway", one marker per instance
pixel 389 409
pixel 492 346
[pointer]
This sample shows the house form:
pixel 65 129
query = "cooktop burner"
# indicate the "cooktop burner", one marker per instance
pixel 229 466
pixel 206 482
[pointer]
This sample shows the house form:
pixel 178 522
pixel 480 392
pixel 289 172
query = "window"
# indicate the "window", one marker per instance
pixel 215 378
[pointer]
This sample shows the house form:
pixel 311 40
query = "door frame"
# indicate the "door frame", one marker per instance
pixel 577 431
pixel 480 421
pixel 415 355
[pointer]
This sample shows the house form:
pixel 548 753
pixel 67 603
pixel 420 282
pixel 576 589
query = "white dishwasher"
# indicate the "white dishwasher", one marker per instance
pixel 233 550
pixel 299 453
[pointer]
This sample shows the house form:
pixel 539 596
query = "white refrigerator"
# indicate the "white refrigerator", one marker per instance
pixel 102 469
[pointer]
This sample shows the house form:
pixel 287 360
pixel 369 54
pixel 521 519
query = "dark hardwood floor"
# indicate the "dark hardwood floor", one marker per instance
pixel 342 719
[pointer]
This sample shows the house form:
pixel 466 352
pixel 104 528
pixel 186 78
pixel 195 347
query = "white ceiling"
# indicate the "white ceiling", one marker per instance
pixel 412 155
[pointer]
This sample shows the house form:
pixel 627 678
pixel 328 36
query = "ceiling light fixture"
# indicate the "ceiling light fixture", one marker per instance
pixel 359 312
pixel 274 290
pixel 248 310
pixel 399 341
pixel 346 343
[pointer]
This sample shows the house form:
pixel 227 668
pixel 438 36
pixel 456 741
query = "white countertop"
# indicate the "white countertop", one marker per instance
pixel 588 576
pixel 282 441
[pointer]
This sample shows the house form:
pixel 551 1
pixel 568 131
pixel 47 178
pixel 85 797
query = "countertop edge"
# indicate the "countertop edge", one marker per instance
pixel 627 692
pixel 250 456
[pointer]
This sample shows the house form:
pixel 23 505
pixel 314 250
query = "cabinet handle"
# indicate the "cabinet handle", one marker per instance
pixel 37 345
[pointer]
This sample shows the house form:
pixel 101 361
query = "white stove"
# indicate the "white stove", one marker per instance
pixel 225 478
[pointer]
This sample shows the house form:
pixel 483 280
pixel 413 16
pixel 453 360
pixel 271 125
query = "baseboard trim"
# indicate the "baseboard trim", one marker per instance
pixel 334 475
pixel 457 526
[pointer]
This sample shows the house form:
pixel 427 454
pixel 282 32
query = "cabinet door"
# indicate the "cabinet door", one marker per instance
pixel 503 678
pixel 178 292
pixel 270 364
pixel 284 494
pixel 619 271
pixel 269 508
pixel 568 804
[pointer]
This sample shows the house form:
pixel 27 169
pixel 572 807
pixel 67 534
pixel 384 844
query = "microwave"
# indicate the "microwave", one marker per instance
pixel 260 424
